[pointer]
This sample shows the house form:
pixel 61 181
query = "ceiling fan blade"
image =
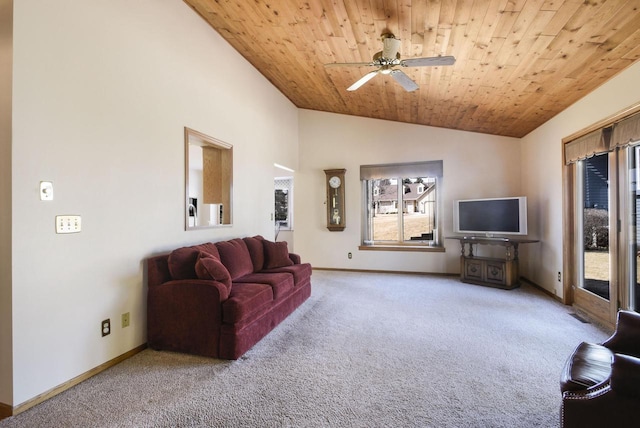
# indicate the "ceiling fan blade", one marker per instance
pixel 430 61
pixel 404 80
pixel 350 64
pixel 391 47
pixel 364 79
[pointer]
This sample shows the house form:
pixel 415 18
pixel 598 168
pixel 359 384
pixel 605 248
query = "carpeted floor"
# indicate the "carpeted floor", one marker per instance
pixel 366 350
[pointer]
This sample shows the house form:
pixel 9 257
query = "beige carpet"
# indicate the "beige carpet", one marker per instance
pixel 366 350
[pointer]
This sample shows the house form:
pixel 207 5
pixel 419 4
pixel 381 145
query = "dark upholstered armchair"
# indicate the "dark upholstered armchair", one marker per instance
pixel 600 383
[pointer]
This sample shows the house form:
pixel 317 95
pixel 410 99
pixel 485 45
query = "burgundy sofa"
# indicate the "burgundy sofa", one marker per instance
pixel 219 299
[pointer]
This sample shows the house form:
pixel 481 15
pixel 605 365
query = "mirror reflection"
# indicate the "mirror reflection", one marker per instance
pixel 208 176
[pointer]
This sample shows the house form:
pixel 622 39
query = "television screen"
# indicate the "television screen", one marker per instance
pixel 507 216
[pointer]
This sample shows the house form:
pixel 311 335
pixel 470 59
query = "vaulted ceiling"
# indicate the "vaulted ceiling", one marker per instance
pixel 518 62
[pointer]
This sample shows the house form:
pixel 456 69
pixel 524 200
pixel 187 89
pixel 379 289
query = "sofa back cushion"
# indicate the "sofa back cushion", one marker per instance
pixel 276 254
pixel 235 256
pixel 209 267
pixel 256 250
pixel 182 261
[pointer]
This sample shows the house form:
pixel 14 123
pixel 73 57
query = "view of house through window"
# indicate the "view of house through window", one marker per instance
pixel 401 209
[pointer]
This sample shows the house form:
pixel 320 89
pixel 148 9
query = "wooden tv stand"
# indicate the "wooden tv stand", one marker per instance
pixel 494 272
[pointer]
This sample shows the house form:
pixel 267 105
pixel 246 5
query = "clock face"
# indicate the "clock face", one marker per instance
pixel 334 182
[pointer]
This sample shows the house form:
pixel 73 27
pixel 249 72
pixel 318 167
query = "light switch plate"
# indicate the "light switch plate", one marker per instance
pixel 68 223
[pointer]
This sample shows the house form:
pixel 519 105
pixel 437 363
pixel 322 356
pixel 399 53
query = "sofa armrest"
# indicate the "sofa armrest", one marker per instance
pixel 613 403
pixel 185 316
pixel 580 408
pixel 626 338
pixel 295 258
pixel 625 375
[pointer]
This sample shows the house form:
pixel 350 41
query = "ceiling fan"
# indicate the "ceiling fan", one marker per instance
pixel 389 58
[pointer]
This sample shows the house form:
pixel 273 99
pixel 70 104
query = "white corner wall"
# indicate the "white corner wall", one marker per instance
pixel 541 161
pixel 101 93
pixel 475 165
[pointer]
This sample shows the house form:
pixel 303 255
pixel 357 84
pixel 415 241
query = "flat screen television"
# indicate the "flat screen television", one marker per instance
pixel 491 216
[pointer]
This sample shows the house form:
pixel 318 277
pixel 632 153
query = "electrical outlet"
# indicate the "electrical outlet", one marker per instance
pixel 125 320
pixel 105 327
pixel 350 255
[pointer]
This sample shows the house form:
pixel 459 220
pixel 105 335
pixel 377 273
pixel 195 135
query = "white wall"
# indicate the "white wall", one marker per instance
pixel 542 171
pixel 101 93
pixel 6 42
pixel 475 165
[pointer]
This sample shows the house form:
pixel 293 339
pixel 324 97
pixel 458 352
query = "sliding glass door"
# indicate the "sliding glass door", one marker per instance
pixel 630 295
pixel 602 218
pixel 595 216
pixel 596 274
pixel 606 239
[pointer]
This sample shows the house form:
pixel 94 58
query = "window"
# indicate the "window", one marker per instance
pixel 284 203
pixel 400 205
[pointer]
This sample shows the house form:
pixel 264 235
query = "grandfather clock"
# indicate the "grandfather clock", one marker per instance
pixel 336 219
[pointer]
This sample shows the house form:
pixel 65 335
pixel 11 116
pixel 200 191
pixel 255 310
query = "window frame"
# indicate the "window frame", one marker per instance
pixel 615 135
pixel 400 172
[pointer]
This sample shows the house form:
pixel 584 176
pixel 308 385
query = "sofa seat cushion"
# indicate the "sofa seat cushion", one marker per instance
pixel 280 282
pixel 300 272
pixel 588 366
pixel 182 261
pixel 234 254
pixel 246 300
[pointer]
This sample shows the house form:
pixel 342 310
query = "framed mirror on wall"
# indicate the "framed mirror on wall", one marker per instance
pixel 208 181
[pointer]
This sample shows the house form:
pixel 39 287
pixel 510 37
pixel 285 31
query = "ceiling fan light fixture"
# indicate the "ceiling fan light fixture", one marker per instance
pixel 388 58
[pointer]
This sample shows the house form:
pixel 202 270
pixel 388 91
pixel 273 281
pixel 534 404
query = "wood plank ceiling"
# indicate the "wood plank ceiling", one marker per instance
pixel 518 62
